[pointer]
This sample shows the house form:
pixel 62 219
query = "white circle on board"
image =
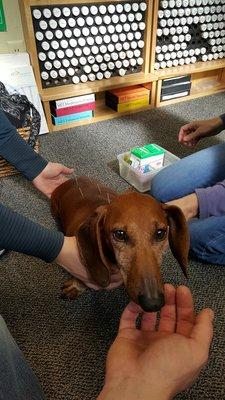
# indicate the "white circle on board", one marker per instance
pixel 134 26
pixel 102 9
pixel 48 65
pixel 71 22
pixel 140 61
pixel 115 38
pixel 77 52
pixel 122 72
pixel 125 63
pixel 51 55
pixel 80 21
pixel 107 57
pixel 87 69
pixel 143 6
pixel 54 74
pixel 83 78
pixel 75 11
pixel 103 66
pixel 69 53
pixel 55 44
pixel 130 36
pixel 119 8
pixel 111 65
pixel 57 64
pixel 111 8
pixel 83 61
pixel 93 10
pixel 129 53
pixel 135 7
pixel 99 58
pixel 64 44
pixel 107 74
pixel 91 59
pixel 49 35
pixel 111 47
pixel 62 23
pixel 62 73
pixel 111 29
pixel 89 21
pixel 71 71
pixel 86 51
pixel 86 31
pixel 39 35
pixel 81 41
pixel 133 62
pixel 123 18
pixel 68 33
pixel 60 54
pixel 118 46
pixel 107 39
pixel 142 26
pixel 130 17
pixel 126 27
pixel 85 10
pixel 75 79
pixel 115 18
pixel 58 34
pixel 122 55
pixel 77 32
pixel 118 64
pixel 43 24
pixel 90 40
pixel 74 61
pixel 138 17
pixel 94 30
pixel 91 77
pixel 94 50
pixel 114 56
pixel 42 56
pixel 47 13
pixel 138 35
pixel 66 11
pixel 44 75
pixel 56 12
pixel 133 45
pixel 99 75
pixel 98 20
pixel 37 13
pixel 102 29
pixel 126 46
pixel 95 67
pixel 98 40
pixel 107 19
pixel 127 7
pixel 53 23
pixel 119 28
pixel 122 37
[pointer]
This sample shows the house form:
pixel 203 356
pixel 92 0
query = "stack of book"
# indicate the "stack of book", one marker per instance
pixel 129 98
pixel 172 88
pixel 73 109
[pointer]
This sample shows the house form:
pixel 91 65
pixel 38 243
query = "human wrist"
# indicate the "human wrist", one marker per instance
pixel 132 390
pixel 192 206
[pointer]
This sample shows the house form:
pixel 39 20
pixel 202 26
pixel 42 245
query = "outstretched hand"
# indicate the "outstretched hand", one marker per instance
pixel 158 363
pixel 52 176
pixel 191 133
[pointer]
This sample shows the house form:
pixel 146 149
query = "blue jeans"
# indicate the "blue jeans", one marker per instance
pixel 17 380
pixel 201 169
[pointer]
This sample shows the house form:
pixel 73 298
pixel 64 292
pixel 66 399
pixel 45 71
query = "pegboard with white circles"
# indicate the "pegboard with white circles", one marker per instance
pixel 189 31
pixel 79 43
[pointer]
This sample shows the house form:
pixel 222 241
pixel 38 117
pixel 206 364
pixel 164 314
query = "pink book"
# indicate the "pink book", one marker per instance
pixel 73 109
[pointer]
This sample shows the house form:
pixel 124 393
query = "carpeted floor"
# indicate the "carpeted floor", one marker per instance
pixel 66 342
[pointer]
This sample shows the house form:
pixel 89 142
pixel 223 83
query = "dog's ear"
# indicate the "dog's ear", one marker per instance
pixel 179 239
pixel 93 249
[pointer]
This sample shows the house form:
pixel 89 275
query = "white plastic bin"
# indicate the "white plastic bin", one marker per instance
pixel 142 182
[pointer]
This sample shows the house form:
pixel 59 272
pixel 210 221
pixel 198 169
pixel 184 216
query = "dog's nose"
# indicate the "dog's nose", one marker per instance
pixel 150 304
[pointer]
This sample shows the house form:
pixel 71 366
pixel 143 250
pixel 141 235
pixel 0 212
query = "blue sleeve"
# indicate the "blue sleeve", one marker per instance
pixel 20 234
pixel 17 152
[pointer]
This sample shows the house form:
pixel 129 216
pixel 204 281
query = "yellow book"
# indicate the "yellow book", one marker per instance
pixel 131 105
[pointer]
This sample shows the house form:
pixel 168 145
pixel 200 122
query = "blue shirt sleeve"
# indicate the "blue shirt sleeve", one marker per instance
pixel 17 152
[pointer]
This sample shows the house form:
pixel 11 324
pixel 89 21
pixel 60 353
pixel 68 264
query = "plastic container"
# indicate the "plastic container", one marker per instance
pixel 142 182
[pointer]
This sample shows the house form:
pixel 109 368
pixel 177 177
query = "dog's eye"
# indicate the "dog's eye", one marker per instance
pixel 160 234
pixel 120 235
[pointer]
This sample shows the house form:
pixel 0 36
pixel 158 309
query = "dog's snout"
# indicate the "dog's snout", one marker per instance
pixel 150 304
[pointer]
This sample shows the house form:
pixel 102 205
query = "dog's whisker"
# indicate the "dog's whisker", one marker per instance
pixel 99 189
pixel 81 192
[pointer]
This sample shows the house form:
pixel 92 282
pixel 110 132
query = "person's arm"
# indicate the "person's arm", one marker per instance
pixel 45 176
pixel 157 364
pixel 17 152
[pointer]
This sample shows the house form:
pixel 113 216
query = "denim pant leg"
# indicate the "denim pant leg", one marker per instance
pixel 208 239
pixel 17 380
pixel 201 169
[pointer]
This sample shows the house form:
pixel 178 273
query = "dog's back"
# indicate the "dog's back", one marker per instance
pixel 76 199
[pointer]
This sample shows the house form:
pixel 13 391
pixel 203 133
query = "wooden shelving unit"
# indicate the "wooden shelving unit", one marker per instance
pixel 206 77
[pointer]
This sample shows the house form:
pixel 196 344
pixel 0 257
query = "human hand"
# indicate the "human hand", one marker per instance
pixel 52 176
pixel 188 205
pixel 158 363
pixel 69 259
pixel 191 133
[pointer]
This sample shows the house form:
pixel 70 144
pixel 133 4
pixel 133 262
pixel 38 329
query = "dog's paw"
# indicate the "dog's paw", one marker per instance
pixel 71 289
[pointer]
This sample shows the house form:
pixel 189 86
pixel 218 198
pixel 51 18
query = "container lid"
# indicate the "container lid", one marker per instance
pixel 146 151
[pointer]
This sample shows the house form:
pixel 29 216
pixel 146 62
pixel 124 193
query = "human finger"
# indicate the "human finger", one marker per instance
pixel 202 331
pixel 185 311
pixel 167 321
pixel 184 130
pixel 129 316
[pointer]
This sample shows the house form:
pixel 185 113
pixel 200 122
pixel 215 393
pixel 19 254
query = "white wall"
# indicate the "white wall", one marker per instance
pixel 12 39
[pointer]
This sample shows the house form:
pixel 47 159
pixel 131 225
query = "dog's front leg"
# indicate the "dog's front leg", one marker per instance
pixel 72 289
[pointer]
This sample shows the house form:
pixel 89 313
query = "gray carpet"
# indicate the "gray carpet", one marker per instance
pixel 66 342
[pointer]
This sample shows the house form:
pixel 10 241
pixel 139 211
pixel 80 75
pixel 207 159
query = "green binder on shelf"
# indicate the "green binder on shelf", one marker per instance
pixel 2 18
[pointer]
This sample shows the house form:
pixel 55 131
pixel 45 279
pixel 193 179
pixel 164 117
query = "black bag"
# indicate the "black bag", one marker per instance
pixel 20 112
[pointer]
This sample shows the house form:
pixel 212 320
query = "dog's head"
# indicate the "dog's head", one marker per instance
pixel 131 234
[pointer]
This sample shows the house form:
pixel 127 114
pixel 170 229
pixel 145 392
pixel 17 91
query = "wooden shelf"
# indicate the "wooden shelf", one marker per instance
pixel 190 69
pixel 62 92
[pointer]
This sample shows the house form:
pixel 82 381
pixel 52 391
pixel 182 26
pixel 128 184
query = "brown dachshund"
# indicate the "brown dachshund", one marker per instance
pixel 129 231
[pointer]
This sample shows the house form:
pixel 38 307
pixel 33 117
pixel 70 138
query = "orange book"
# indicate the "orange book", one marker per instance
pixel 126 94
